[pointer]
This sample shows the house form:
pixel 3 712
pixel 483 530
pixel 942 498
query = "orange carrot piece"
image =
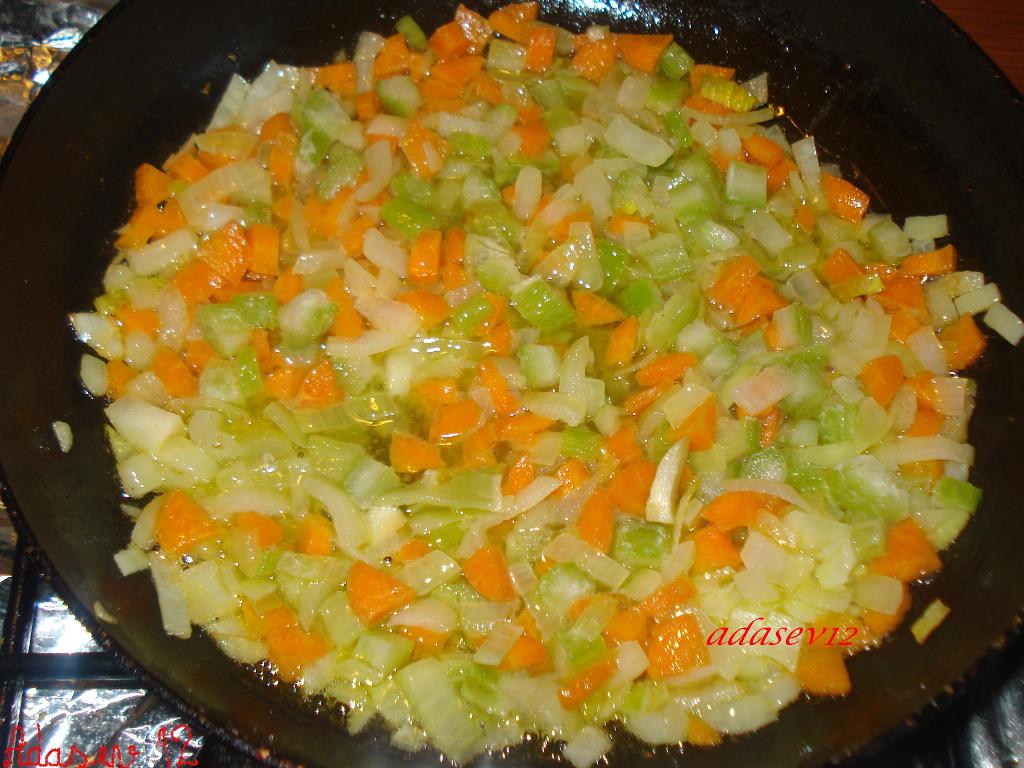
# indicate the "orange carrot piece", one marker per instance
pixel 700 71
pixel 573 473
pixel 770 426
pixel 904 323
pixel 119 376
pixel 315 536
pixel 453 250
pixel 519 475
pixel 264 250
pixel 877 625
pixel 454 421
pixel 667 599
pixel 676 646
pixel 320 387
pixel 700 426
pixel 902 291
pixel 592 309
pixel 962 342
pixel 821 670
pixel 594 59
pixel 630 624
pixel 714 550
pixel 431 308
pixel 778 174
pixel 701 734
pixel 938 262
pixel 410 454
pixel 515 21
pixel 932 471
pixel 528 653
pixel 181 524
pixel 882 378
pixel 739 509
pixel 374 595
pixel 923 384
pixel 348 323
pixel 226 253
pixel 266 530
pixel 844 199
pixel 577 688
pixel 425 258
pixel 908 553
pixel 146 321
pixel 340 78
pixel 437 392
pixel 449 41
pixel 734 280
pixel 926 423
pixel 763 150
pixel 534 138
pixel 596 521
pixel 151 184
pixel 176 376
pixel 641 400
pixel 804 218
pixel 393 59
pixel 504 402
pixel 642 51
pixel 622 343
pixel 413 549
pixel 840 266
pixel 622 442
pixel 367 106
pixel 631 485
pixel 487 572
pixel 478 447
pixel 187 168
pixel 198 354
pixel 522 427
pixel 290 646
pixel 666 369
pixel 540 49
pixel 475 27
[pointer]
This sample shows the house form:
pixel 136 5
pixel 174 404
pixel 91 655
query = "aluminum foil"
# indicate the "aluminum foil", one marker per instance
pixel 35 36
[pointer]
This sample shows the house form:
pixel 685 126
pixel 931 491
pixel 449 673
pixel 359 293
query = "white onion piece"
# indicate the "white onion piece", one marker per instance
pixel 380 167
pixel 589 745
pixel 523 577
pixel 528 190
pixel 666 480
pixel 783 491
pixel 170 596
pixel 950 396
pixel 926 347
pixel 432 570
pixel 1005 323
pixel 760 392
pixel 370 343
pixel 498 643
pixel 389 315
pixel 878 593
pixel 427 613
pixel 311 262
pixel 679 406
pixel 155 257
pixel 385 253
pixel 913 449
pixel 351 530
pixel 532 495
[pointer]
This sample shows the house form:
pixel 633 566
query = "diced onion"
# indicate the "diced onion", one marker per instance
pixel 878 593
pixel 432 570
pixel 170 597
pixel 385 253
pixel 157 256
pixel 929 620
pixel 913 449
pixel 925 345
pixel 379 167
pixel 1005 323
pixel 528 190
pixel 589 745
pixel 498 643
pixel 762 391
pixel 660 506
pixel 978 300
pixel 427 613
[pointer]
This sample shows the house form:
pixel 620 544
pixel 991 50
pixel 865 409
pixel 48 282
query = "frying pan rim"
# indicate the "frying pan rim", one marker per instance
pixel 265 754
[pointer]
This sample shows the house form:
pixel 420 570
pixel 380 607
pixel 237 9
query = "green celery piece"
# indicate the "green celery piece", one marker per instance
pixel 447 537
pixel 674 62
pixel 247 369
pixel 414 36
pixel 331 458
pixel 549 93
pixel 628 191
pixel 560 587
pixel 506 169
pixel 267 564
pixel 581 443
pixel 680 310
pixel 638 544
pixel 259 309
pixel 369 479
pixel 412 187
pixel 257 213
pixel 638 297
pixel 407 217
pixel 492 264
pixel 306 322
pixel 557 118
pixel 950 492
pixel 677 128
pixel 746 184
pixel 665 257
pixel 343 167
pixel 386 651
pixel 493 219
pixel 479 686
pixel 766 464
pixel 808 480
pixel 865 488
pixel 614 264
pixel 399 95
pixel 540 365
pixel 576 88
pixel 471 146
pixel 224 326
pixel 574 652
pixel 543 306
pixel 838 423
pixel 665 96
pixel 467 318
pixel 525 545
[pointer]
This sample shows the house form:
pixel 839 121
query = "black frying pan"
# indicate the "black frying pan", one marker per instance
pixel 909 104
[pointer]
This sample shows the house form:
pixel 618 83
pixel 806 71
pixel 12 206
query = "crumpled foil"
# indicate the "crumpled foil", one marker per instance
pixel 35 36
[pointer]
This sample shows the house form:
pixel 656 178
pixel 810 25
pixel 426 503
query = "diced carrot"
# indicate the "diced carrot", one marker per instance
pixel 594 59
pixel 487 572
pixel 778 174
pixel 198 354
pixel 453 249
pixel 504 402
pixel 908 553
pixel 666 369
pixel 425 258
pixel 176 376
pixel 804 218
pixel 279 125
pixel 709 107
pixel 478 447
pixel 498 339
pixel 821 670
pixel 939 262
pixel 596 521
pixel 923 384
pixel 431 308
pixel 540 49
pixel 904 323
pixel 622 442
pixel 437 392
pixel 519 475
pixel 882 378
pixel 573 473
pixel 374 595
pixel 410 454
pixel 770 426
pixel 676 646
pixel 528 653
pixel 428 641
pixel 150 221
pixel 515 21
pixel 576 689
pixel 631 485
pixel 877 625
pixel 522 427
pixel 931 471
pixel 290 646
pixel 181 524
pixel 151 184
pixel 226 253
pixel 667 599
pixel 266 357
pixel 714 550
pixel 146 321
pixel 315 536
pixel 699 71
pixel 734 280
pixel 187 168
pixel 534 138
pixel 393 58
pixel 622 343
pixel 348 323
pixel 760 301
pixel 618 221
pixel 266 530
pixel 415 145
pixel 962 342
pixel 284 383
pixel 739 509
pixel 762 150
pixel 844 199
pixel 840 266
pixel 475 27
pixel 642 399
pixel 642 51
pixel 454 421
pixel 926 423
pixel 264 243
pixel 449 41
pixel 340 78
pixel 592 309
pixel 367 106
pixel 413 549
pixel 700 426
pixel 901 291
pixel 119 376
pixel 701 734
pixel 319 388
pixel 281 163
pixel 626 625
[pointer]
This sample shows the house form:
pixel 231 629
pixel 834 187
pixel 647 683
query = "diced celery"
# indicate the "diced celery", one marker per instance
pixel 257 213
pixel 864 487
pixel 560 587
pixel 470 315
pixel 694 201
pixel 581 443
pixel 680 310
pixel 675 62
pixel 746 184
pixel 526 545
pixel 638 297
pixel 407 217
pixel 614 264
pixel 677 128
pixel 439 709
pixel 860 285
pixel 549 93
pixel 542 306
pixel 306 318
pixel 630 193
pixel 665 257
pixel 369 480
pixel 540 365
pixel 258 309
pixel 399 95
pixel 639 544
pixel 576 88
pixel 412 187
pixel 333 459
pixel 728 93
pixel 470 145
pixel 951 492
pixel 574 651
pixel 224 326
pixel 889 241
pixel 385 651
pixel 413 34
pixel 666 95
pixel 505 56
pixel 343 167
pixel 493 219
pixel 247 369
pixel 767 464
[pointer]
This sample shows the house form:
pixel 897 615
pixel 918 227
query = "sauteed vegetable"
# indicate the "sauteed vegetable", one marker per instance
pixel 476 380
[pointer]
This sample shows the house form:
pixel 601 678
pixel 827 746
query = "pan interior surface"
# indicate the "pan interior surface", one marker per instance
pixel 906 105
